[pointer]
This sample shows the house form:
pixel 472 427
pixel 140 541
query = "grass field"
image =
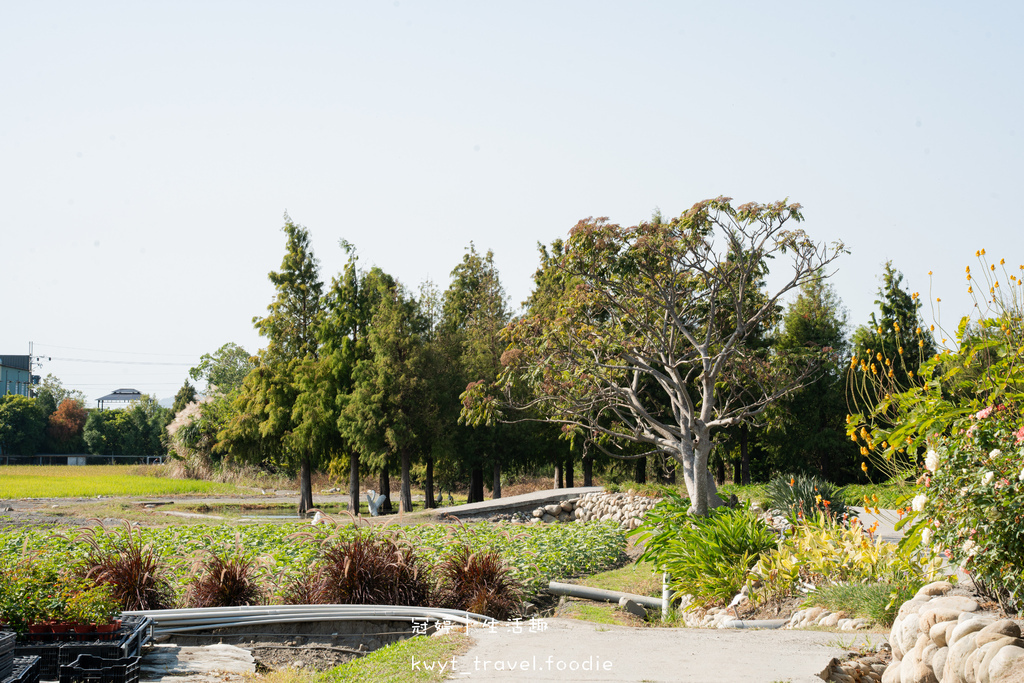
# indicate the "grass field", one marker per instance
pixel 89 481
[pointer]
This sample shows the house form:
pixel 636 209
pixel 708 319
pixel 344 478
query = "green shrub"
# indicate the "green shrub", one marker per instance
pixel 707 557
pixel 823 552
pixel 877 600
pixel 802 497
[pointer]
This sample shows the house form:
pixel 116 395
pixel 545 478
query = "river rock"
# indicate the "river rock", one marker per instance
pixel 932 615
pixel 959 603
pixel 953 671
pixel 989 650
pixel 1007 666
pixel 939 662
pixel 935 588
pixel 966 627
pixel 1003 627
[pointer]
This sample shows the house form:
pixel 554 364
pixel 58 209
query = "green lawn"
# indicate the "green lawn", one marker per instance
pixel 89 481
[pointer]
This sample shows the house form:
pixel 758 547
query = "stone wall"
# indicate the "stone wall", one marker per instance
pixel 941 636
pixel 628 509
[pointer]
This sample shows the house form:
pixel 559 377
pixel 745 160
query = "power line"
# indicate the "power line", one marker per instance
pixel 126 353
pixel 115 362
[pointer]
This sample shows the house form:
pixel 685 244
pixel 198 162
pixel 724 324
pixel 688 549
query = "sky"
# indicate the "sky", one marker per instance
pixel 149 151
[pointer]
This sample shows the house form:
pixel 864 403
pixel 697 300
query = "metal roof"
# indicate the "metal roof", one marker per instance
pixel 16 362
pixel 123 395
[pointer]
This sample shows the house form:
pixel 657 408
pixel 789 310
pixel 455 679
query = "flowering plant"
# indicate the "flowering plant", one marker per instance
pixel 958 423
pixel 972 507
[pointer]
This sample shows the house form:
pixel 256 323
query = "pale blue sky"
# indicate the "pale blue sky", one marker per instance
pixel 149 150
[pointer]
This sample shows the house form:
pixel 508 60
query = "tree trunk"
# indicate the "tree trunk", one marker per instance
pixel 699 482
pixel 476 485
pixel 588 470
pixel 640 470
pixel 353 483
pixel 496 489
pixel 559 482
pixel 385 488
pixel 570 474
pixel 428 485
pixel 744 455
pixel 305 487
pixel 736 474
pixel 405 498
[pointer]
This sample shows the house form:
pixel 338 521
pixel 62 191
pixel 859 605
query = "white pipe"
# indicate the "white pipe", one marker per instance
pixel 665 596
pixel 201 619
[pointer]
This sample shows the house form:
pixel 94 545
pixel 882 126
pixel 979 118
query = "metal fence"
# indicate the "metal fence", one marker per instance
pixel 80 459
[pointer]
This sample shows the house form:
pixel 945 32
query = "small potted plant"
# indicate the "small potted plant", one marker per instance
pixel 93 609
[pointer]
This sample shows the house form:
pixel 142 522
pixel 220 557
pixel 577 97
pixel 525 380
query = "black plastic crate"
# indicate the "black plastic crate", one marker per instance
pixel 128 642
pixel 26 670
pixel 90 669
pixel 7 639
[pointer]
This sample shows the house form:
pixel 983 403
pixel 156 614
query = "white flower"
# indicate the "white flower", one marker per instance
pixel 1021 477
pixel 931 461
pixel 987 478
pixel 919 502
pixel 926 536
pixel 970 547
pixel 995 453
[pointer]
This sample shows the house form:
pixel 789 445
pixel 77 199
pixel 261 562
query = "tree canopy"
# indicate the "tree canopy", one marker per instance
pixel 648 346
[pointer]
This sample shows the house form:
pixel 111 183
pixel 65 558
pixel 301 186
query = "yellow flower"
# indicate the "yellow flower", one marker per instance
pixel 970 290
pixel 929 272
pixel 863 451
pixel 968 269
pixel 968 277
pixel 864 466
pixel 910 373
pixel 993 266
pixel 1002 261
pixel 921 343
pixel 938 299
pixel 977 253
pixel 901 350
pixel 918 331
pixel 932 328
pixel 982 252
pixel 878 356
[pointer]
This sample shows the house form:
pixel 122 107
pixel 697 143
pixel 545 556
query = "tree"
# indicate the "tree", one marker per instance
pixel 643 350
pixel 185 395
pixel 474 312
pixel 266 425
pixel 224 369
pixel 22 425
pixel 897 332
pixel 380 414
pixel 807 428
pixel 50 393
pixel 137 430
pixel 66 425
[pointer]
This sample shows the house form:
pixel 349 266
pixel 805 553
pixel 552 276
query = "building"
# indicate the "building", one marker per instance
pixel 121 398
pixel 16 375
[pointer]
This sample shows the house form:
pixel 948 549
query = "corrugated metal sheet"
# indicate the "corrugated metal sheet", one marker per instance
pixel 16 362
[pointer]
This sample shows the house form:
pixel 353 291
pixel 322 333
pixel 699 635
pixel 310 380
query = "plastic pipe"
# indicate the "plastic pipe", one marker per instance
pixel 600 594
